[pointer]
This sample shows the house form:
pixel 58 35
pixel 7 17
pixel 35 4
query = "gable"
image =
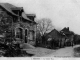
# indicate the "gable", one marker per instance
pixel 54 34
pixel 2 5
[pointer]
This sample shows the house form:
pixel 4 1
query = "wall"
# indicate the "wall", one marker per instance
pixel 30 31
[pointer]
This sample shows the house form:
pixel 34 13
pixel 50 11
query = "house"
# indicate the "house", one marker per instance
pixel 22 25
pixel 69 35
pixel 53 34
pixel 54 37
pixel 60 38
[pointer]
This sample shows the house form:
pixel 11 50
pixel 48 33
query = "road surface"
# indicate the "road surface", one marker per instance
pixel 63 52
pixel 43 52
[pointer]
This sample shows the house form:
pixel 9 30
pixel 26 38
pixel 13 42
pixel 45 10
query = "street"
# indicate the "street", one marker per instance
pixel 63 52
pixel 44 52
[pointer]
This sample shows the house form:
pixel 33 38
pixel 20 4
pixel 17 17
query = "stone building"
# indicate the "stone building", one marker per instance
pixel 23 25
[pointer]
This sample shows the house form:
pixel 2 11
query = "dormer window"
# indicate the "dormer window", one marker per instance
pixel 17 11
pixel 31 16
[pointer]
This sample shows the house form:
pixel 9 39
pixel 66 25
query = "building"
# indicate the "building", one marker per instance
pixel 54 37
pixel 54 34
pixel 60 38
pixel 23 25
pixel 69 35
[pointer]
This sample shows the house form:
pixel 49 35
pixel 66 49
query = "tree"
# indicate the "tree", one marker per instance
pixel 44 25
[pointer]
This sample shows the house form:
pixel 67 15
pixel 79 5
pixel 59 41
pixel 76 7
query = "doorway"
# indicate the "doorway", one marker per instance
pixel 26 35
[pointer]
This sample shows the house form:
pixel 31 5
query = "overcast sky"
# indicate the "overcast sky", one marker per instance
pixel 63 13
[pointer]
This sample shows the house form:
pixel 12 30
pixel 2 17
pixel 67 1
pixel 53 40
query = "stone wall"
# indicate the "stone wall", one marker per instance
pixel 30 29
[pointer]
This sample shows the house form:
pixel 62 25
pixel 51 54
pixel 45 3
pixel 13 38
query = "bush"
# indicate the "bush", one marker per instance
pixel 12 50
pixel 15 51
pixel 77 52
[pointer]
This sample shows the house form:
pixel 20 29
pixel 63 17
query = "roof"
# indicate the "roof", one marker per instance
pixel 9 7
pixel 66 31
pixel 54 34
pixel 25 17
pixel 31 15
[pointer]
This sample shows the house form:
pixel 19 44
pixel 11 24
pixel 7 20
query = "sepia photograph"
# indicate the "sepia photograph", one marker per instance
pixel 40 28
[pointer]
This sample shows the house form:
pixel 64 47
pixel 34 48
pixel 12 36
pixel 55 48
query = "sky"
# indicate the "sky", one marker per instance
pixel 63 13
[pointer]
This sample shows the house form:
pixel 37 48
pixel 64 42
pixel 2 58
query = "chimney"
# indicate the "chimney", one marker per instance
pixel 68 28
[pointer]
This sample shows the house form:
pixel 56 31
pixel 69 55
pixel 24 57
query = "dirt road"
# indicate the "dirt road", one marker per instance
pixel 43 52
pixel 40 52
pixel 63 52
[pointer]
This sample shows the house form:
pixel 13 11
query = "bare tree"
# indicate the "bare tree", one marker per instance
pixel 44 25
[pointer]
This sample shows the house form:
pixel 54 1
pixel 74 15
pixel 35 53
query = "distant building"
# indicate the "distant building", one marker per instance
pixel 69 36
pixel 67 33
pixel 61 38
pixel 53 37
pixel 23 25
pixel 54 34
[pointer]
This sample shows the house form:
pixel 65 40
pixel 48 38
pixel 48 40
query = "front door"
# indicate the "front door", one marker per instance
pixel 26 36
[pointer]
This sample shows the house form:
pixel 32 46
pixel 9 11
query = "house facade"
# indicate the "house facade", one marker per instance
pixel 23 26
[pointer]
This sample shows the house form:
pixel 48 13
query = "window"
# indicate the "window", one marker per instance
pixel 26 32
pixel 19 33
pixel 31 35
